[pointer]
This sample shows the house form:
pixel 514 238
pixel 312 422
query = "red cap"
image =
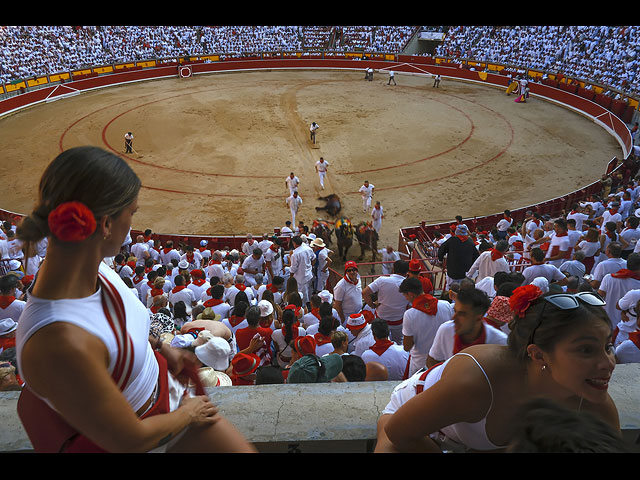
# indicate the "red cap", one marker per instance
pixel 350 264
pixel 415 266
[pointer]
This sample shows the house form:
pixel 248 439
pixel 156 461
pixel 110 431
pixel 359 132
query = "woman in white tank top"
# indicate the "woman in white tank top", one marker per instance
pixel 559 348
pixel 84 347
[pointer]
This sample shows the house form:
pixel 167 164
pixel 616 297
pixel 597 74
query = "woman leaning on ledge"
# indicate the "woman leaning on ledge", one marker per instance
pixel 93 374
pixel 559 349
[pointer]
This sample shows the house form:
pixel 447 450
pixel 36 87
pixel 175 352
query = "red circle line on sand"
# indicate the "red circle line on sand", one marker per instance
pixel 174 169
pixel 273 177
pixel 430 157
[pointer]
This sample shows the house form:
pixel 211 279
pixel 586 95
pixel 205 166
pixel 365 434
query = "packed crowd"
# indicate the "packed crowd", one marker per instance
pixel 27 51
pixel 607 55
pixel 262 314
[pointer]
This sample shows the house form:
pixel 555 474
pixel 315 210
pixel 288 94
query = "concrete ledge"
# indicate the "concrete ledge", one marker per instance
pixel 334 417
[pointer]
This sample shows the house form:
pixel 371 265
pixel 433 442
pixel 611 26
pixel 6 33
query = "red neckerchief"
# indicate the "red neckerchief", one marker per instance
pixel 132 265
pixel 508 219
pixel 613 211
pixel 212 302
pixel 156 291
pixel 240 286
pixel 495 254
pixel 137 279
pixel 202 249
pixel 199 282
pixel 190 257
pixel 626 273
pixel 215 262
pixel 274 247
pixel 564 234
pixel 611 235
pixel 155 309
pixel 146 239
pixel 459 345
pixel 381 346
pixel 150 283
pixel 316 312
pixel 178 288
pixel 148 269
pixel 6 300
pixel 426 303
pixel 166 250
pixel 635 338
pixel 272 288
pixel 322 339
pixel 346 277
pixel 463 238
pixel 235 320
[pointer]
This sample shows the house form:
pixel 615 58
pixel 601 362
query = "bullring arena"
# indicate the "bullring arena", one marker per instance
pixel 215 149
pixel 216 135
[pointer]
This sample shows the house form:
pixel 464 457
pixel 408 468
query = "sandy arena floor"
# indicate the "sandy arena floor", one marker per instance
pixel 213 151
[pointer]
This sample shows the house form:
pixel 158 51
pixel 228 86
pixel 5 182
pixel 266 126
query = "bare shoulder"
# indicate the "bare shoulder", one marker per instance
pixel 59 347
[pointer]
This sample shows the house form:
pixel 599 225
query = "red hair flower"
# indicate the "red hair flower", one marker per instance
pixel 71 222
pixel 522 298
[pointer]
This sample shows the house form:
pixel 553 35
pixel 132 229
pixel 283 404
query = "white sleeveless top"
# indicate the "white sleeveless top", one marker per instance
pixel 88 313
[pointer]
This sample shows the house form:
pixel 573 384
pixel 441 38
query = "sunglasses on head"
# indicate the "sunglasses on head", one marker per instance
pixel 567 301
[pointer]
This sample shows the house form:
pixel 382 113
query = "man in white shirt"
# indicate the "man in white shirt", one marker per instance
pixel 10 305
pixel 421 322
pixel 322 265
pixel 292 182
pixel 388 255
pixel 286 230
pixel 504 223
pixel 294 202
pixel 366 191
pixel 252 265
pixel 612 264
pixel 361 331
pixel 611 214
pixel 386 352
pixel 347 294
pixel 539 268
pixel 578 215
pixel 614 286
pixel 390 304
pixel 215 269
pixel 168 253
pixel 490 262
pixel 313 128
pixel 181 293
pixel 273 263
pixel 559 248
pixel 302 260
pixel 631 235
pixel 248 246
pixel 140 250
pixel 377 214
pixel 467 327
pixel 321 168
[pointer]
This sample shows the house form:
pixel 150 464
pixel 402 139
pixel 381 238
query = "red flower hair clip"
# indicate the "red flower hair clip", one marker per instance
pixel 522 298
pixel 71 222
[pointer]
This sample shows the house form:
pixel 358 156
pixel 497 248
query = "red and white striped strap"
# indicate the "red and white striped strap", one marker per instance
pixel 116 317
